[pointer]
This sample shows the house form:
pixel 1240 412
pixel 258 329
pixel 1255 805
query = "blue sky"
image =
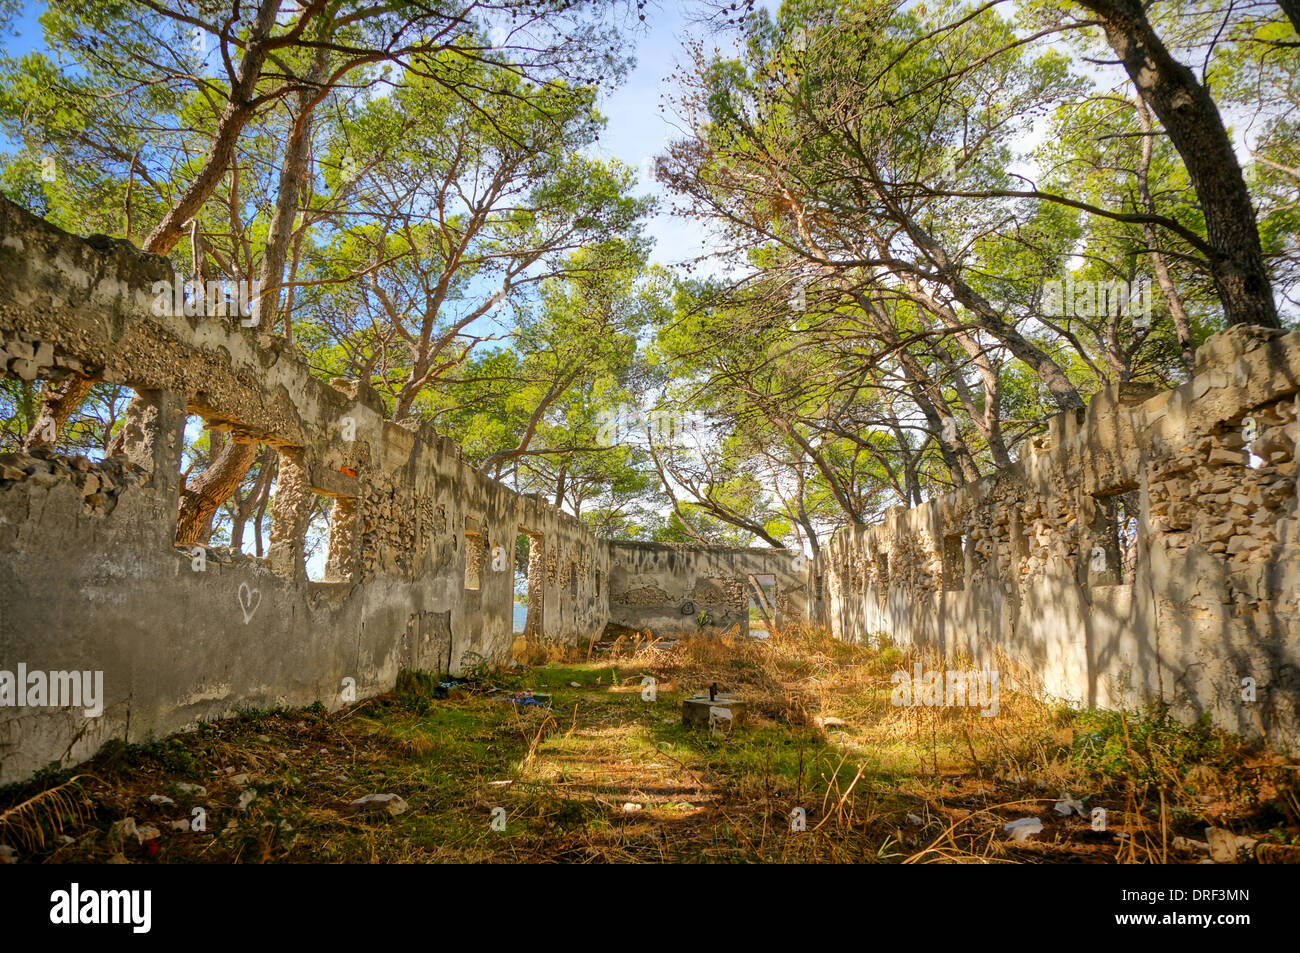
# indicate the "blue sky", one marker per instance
pixel 637 128
pixel 637 124
pixel 29 31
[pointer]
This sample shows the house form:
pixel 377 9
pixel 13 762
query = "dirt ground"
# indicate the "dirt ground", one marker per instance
pixel 584 759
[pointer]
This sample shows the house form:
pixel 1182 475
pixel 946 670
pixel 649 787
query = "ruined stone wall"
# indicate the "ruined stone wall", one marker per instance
pixel 1146 548
pixel 664 588
pixel 90 578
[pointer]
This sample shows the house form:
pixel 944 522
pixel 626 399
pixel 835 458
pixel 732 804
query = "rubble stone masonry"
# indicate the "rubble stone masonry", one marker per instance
pixel 90 577
pixel 1145 549
pixel 1188 496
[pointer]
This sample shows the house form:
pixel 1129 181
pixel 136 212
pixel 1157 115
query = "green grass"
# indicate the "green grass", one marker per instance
pixel 605 775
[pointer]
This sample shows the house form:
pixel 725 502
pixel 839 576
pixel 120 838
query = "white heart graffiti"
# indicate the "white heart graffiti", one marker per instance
pixel 246 603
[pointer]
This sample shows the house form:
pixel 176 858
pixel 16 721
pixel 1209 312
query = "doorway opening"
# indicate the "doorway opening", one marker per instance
pixel 762 604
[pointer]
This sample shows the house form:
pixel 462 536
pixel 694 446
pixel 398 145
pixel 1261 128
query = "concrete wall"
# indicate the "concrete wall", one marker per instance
pixel 1211 595
pixel 664 588
pixel 90 579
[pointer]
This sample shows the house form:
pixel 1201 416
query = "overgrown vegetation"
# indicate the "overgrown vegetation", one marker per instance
pixel 603 775
pixel 925 228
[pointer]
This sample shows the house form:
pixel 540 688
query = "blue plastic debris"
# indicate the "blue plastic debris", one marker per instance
pixel 537 699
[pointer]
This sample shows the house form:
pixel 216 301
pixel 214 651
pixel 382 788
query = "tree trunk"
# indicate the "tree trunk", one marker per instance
pixel 927 394
pixel 169 230
pixel 992 402
pixel 237 523
pixel 293 178
pixel 1064 393
pixel 244 510
pixel 760 599
pixel 1193 124
pixel 1292 10
pixel 1182 324
pixel 226 472
pixel 559 482
pixel 237 112
pixel 57 405
pixel 201 499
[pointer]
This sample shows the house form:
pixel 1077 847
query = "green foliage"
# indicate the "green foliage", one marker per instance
pixel 1143 745
pixel 888 188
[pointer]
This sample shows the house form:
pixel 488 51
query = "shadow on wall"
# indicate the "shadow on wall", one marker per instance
pixel 1144 550
pixel 677 590
pixel 92 579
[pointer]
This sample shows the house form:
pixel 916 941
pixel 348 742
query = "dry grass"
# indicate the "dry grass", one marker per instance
pixel 604 776
pixel 32 823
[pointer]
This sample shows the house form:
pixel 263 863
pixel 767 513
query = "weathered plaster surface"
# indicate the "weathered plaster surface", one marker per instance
pixel 90 578
pixel 1007 564
pixel 664 588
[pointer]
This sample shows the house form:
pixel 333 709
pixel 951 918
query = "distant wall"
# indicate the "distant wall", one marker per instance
pixel 664 588
pixel 1206 595
pixel 90 578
